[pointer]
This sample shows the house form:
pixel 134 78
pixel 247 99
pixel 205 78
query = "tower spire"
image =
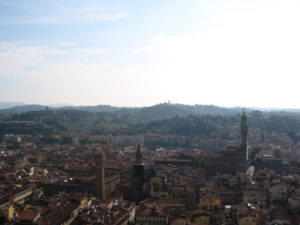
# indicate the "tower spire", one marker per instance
pixel 138 155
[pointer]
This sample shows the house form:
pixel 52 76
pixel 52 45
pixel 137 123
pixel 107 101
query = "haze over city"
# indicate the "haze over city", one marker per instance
pixel 127 112
pixel 136 53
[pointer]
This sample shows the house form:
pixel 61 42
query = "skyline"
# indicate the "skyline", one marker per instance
pixel 8 105
pixel 137 54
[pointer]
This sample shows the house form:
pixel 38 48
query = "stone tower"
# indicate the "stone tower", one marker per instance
pixel 138 155
pixel 137 177
pixel 100 179
pixel 244 135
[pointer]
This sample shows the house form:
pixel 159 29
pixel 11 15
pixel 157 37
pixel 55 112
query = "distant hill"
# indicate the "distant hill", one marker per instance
pixel 103 118
pixel 98 108
pixel 291 110
pixel 23 109
pixel 6 105
pixel 60 105
pixel 31 108
pixel 139 121
pixel 151 113
pixel 165 110
pixel 155 112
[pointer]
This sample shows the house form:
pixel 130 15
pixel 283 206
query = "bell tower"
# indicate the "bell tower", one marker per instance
pixel 138 155
pixel 244 135
pixel 137 177
pixel 100 179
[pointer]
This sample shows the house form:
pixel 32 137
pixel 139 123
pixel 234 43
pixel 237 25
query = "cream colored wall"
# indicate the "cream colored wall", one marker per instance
pixel 8 213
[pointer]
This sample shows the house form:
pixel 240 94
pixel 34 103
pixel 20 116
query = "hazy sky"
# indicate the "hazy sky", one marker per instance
pixel 138 53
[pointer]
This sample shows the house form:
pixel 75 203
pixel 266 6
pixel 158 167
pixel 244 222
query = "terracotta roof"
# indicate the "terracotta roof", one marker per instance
pixel 28 215
pixel 60 213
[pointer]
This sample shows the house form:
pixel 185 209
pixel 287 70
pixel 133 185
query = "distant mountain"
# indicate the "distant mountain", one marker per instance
pixel 291 110
pixel 6 105
pixel 151 113
pixel 165 110
pixel 23 109
pixel 29 108
pixel 98 108
pixel 147 114
pixel 57 105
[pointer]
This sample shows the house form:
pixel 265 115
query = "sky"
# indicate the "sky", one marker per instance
pixel 140 53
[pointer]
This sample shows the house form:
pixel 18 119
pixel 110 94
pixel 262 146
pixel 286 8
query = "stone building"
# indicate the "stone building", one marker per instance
pixel 234 159
pixel 102 185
